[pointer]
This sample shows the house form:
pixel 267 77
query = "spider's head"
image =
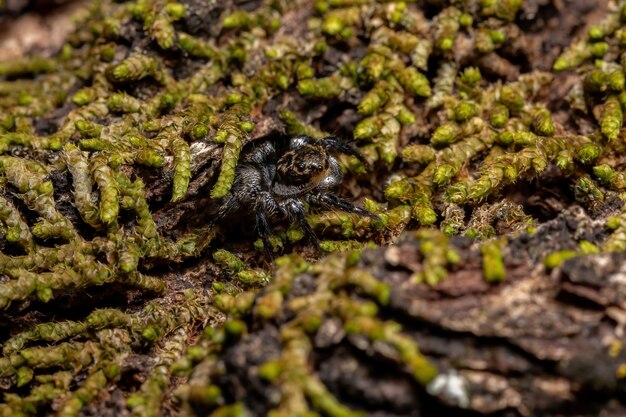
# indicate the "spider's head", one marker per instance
pixel 305 164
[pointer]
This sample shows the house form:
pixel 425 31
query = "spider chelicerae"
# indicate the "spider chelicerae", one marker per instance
pixel 277 178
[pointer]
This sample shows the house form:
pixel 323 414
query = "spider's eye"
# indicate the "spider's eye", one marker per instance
pixel 301 165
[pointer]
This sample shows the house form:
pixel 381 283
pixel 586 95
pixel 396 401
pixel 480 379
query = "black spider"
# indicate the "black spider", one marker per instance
pixel 275 179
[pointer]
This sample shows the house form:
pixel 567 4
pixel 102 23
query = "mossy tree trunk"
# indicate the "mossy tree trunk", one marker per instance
pixel 491 282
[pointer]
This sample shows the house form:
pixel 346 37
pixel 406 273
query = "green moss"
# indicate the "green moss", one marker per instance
pixel 122 109
pixel 557 258
pixel 133 68
pixel 493 262
pixel 437 256
pixel 612 118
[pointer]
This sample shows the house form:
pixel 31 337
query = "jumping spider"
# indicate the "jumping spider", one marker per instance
pixel 276 179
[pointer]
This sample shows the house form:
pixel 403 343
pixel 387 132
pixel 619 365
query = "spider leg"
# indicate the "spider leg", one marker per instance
pixel 295 210
pixel 335 144
pixel 265 231
pixel 225 209
pixel 331 200
pixel 265 206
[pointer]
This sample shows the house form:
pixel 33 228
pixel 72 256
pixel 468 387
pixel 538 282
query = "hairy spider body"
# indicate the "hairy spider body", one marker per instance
pixel 276 179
